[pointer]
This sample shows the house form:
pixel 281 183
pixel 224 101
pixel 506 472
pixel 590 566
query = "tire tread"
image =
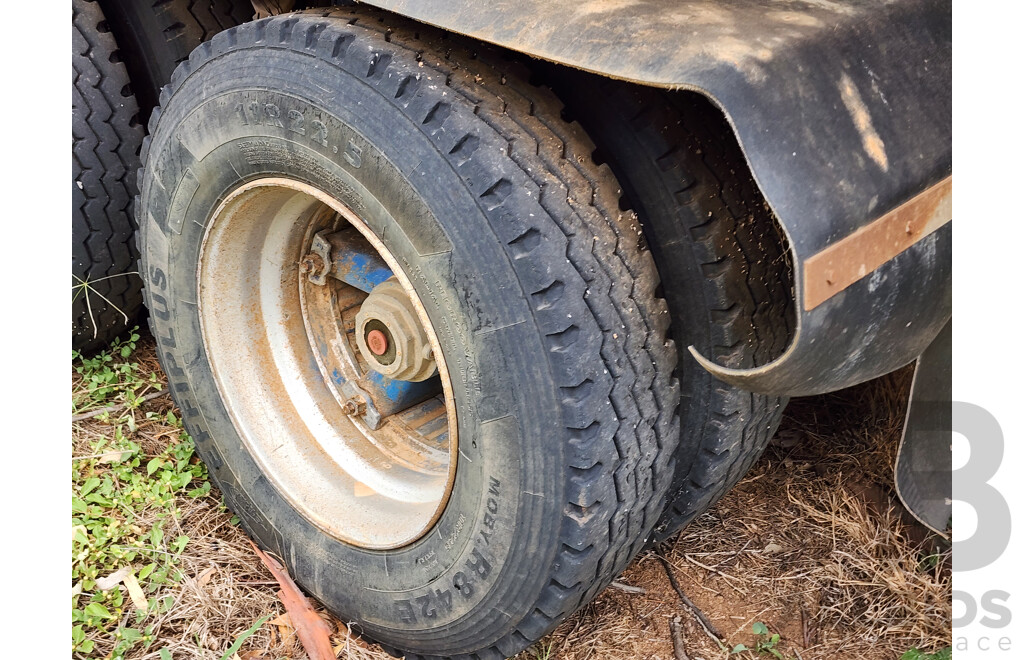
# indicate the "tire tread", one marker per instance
pixel 576 255
pixel 106 137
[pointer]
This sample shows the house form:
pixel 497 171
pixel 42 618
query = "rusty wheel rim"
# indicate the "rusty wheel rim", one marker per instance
pixel 276 344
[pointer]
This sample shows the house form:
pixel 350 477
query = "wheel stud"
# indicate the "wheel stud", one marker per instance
pixel 354 407
pixel 311 264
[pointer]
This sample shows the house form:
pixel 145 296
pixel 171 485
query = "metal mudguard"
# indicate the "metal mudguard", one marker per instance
pixel 924 462
pixel 843 110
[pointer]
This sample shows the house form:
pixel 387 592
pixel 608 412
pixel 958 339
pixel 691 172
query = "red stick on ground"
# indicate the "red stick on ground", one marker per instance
pixel 314 633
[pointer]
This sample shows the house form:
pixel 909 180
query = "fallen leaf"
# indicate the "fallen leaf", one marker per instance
pixel 313 632
pixel 112 580
pixel 204 577
pixel 135 592
pixel 113 456
pixel 283 621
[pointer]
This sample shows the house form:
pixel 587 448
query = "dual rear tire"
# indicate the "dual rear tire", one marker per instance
pixel 509 238
pixel 469 524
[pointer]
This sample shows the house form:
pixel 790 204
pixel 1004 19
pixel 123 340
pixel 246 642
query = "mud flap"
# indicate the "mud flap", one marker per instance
pixel 924 462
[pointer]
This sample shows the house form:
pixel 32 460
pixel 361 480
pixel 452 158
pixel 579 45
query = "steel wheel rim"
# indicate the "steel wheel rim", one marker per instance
pixel 261 325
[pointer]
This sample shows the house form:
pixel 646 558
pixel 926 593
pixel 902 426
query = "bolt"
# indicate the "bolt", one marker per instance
pixel 354 407
pixel 312 263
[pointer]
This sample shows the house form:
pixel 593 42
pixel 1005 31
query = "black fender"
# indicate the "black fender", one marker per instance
pixel 844 113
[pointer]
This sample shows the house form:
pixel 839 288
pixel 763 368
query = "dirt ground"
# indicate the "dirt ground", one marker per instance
pixel 812 544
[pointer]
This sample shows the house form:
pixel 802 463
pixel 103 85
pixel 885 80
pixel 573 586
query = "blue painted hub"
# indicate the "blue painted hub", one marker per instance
pixel 356 262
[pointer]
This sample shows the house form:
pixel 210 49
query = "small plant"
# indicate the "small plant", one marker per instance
pixel 542 651
pixel 915 654
pixel 111 380
pixel 124 508
pixel 765 644
pixel 85 288
pixel 121 504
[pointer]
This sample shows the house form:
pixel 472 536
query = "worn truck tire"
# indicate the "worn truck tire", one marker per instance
pixel 106 138
pixel 509 242
pixel 158 35
pixel 723 261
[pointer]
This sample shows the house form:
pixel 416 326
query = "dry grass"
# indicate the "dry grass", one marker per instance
pixel 812 543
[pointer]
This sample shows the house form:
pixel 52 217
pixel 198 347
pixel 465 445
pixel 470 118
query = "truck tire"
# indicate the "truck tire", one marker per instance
pixel 106 138
pixel 539 304
pixel 724 264
pixel 158 35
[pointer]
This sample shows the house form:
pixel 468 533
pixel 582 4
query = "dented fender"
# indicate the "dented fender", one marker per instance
pixel 843 110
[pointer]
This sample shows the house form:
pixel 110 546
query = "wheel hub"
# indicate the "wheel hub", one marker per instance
pixel 341 393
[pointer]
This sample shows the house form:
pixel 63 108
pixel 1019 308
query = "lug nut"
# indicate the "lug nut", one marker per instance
pixel 354 407
pixel 311 263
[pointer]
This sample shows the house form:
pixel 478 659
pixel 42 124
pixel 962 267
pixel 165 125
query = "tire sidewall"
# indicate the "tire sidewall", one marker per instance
pixel 231 131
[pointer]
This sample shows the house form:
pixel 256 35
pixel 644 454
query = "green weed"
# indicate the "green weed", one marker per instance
pixel 914 654
pixel 110 384
pixel 542 651
pixel 765 644
pixel 123 511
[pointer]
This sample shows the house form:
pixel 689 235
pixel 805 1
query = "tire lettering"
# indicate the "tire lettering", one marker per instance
pixel 273 114
pixel 490 519
pixel 158 277
pixel 171 367
pixel 477 567
pixel 450 541
pixel 295 122
pixel 240 109
pixel 352 154
pixel 427 609
pixel 462 584
pixel 168 341
pixel 445 598
pixel 254 110
pixel 405 611
pixel 320 132
pixel 478 564
pixel 158 306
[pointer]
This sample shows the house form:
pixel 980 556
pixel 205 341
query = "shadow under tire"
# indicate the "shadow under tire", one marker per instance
pixel 541 297
pixel 106 138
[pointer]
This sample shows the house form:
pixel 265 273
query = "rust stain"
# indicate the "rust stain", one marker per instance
pixel 873 144
pixel 862 252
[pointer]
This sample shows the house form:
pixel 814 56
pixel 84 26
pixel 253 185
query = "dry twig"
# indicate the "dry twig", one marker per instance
pixel 675 628
pixel 705 622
